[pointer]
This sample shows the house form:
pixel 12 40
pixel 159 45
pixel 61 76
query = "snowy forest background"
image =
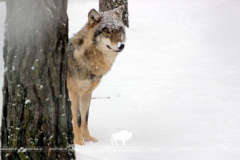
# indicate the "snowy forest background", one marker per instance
pixel 176 85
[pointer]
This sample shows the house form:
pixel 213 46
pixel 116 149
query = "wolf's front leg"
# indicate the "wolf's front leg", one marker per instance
pixel 84 111
pixel 76 129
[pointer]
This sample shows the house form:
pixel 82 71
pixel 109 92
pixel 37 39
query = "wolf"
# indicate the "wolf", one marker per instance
pixel 91 53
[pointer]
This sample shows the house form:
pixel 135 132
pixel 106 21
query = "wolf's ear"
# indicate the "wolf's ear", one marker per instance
pixel 119 11
pixel 93 16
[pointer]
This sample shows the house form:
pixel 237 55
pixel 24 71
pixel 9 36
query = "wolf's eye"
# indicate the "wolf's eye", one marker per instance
pixel 120 30
pixel 105 30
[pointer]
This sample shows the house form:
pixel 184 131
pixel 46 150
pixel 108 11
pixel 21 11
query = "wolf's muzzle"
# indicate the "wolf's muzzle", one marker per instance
pixel 121 47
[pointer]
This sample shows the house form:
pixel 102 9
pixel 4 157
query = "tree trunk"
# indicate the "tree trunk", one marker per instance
pixel 106 5
pixel 37 118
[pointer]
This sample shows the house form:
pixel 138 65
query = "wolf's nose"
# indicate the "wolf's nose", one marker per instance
pixel 122 46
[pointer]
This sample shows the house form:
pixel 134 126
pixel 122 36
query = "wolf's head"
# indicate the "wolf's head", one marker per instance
pixel 109 30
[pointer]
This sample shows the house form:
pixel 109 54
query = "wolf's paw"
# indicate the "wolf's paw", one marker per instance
pixel 87 139
pixel 79 142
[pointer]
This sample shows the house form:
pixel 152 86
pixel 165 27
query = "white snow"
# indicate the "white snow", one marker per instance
pixel 22 150
pixel 27 101
pixel 50 12
pixel 175 86
pixel 51 137
pixel 41 86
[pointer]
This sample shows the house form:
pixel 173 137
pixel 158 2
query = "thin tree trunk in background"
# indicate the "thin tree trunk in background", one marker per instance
pixel 106 5
pixel 36 110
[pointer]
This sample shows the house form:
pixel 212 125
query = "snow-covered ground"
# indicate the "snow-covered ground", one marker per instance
pixel 176 85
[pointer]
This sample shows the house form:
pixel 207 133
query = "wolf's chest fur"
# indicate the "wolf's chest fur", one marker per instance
pixel 86 63
pixel 95 61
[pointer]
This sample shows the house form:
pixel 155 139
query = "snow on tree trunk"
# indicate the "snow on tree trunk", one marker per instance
pixel 36 110
pixel 106 5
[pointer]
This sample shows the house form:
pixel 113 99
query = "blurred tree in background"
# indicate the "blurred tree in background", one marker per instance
pixel 106 5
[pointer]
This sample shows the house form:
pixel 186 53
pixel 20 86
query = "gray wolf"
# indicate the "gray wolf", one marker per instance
pixel 91 53
pixel 121 136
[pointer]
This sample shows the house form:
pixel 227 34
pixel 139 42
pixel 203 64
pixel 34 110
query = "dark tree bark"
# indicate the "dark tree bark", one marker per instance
pixel 36 110
pixel 106 5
